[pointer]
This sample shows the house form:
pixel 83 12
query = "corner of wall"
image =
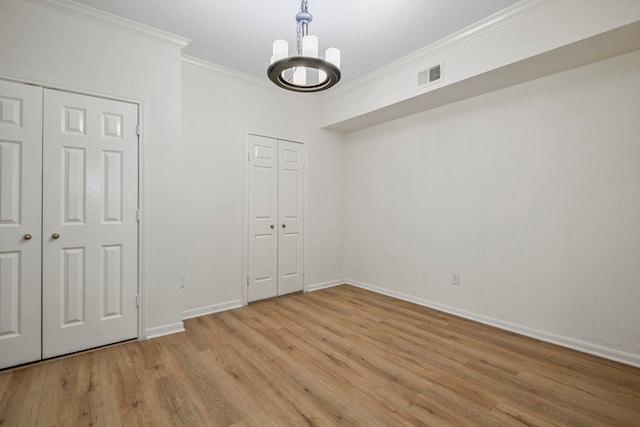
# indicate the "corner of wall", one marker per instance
pixel 160 331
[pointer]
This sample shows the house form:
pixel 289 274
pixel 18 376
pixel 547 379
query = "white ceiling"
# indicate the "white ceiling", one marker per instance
pixel 369 33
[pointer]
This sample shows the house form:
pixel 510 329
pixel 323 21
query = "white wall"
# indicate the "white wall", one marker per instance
pixel 531 32
pixel 217 110
pixel 532 193
pixel 41 44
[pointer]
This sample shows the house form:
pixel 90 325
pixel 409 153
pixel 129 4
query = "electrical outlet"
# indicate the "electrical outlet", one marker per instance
pixel 455 278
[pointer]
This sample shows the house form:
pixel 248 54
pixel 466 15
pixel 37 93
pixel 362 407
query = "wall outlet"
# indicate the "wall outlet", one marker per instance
pixel 455 278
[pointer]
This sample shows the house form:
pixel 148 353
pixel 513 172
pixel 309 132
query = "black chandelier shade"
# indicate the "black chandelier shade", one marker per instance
pixel 277 69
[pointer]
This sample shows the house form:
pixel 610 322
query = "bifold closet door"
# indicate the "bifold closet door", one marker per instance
pixel 290 208
pixel 20 222
pixel 263 218
pixel 276 195
pixel 90 228
pixel 76 287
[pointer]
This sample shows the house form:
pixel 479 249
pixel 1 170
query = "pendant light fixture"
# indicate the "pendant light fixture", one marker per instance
pixel 305 72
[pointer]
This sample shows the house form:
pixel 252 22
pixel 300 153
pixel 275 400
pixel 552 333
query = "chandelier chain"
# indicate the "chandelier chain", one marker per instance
pixel 304 8
pixel 299 38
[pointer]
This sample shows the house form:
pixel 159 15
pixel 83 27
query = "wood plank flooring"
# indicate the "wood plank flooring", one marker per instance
pixel 340 356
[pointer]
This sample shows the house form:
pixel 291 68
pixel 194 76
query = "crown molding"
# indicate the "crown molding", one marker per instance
pixel 90 14
pixel 248 78
pixel 219 69
pixel 476 29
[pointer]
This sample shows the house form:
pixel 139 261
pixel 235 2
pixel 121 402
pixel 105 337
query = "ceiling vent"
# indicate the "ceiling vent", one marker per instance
pixel 430 75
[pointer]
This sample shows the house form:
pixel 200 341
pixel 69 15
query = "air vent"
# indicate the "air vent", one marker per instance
pixel 430 75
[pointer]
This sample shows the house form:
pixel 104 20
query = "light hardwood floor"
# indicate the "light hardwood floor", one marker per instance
pixel 340 356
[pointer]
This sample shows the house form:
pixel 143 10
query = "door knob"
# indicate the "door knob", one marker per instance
pixel 55 236
pixel 284 225
pixel 273 226
pixel 27 237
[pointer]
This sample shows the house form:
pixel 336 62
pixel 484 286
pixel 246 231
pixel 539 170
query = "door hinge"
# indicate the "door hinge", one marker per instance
pixel 139 215
pixel 248 157
pixel 137 300
pixel 138 129
pixel 247 280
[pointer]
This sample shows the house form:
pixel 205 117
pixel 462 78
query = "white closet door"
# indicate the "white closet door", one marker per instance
pixel 20 227
pixel 263 218
pixel 276 204
pixel 89 222
pixel 290 208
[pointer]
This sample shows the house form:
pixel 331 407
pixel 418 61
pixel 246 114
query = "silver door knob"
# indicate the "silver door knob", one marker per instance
pixel 273 226
pixel 55 236
pixel 27 237
pixel 284 225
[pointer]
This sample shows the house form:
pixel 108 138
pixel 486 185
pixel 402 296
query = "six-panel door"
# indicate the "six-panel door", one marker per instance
pixel 20 227
pixel 90 244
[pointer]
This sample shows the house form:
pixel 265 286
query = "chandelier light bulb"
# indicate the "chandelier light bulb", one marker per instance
pixel 333 55
pixel 310 46
pixel 280 50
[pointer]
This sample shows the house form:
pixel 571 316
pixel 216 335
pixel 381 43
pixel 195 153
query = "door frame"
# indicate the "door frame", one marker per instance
pixel 142 175
pixel 244 279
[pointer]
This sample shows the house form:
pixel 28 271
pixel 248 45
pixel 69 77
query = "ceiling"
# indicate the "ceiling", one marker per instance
pixel 369 33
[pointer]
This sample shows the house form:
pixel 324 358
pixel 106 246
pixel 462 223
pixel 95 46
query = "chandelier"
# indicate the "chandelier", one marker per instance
pixel 305 72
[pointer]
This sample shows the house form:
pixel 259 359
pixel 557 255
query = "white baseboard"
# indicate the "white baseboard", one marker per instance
pixel 575 344
pixel 203 311
pixel 318 286
pixel 160 331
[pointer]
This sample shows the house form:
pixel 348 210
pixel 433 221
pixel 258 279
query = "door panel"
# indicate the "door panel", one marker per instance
pixel 9 294
pixel 89 220
pixel 73 190
pixel 112 286
pixel 73 286
pixel 10 154
pixel 263 218
pixel 20 228
pixel 112 191
pixel 290 207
